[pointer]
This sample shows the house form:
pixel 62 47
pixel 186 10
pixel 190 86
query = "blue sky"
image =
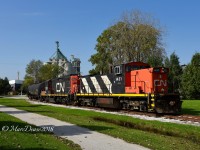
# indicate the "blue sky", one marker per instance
pixel 29 28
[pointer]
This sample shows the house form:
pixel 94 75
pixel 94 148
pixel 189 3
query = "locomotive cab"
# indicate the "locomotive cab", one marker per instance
pixel 135 77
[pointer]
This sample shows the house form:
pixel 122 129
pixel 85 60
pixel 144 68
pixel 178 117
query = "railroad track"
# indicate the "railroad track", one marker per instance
pixel 181 118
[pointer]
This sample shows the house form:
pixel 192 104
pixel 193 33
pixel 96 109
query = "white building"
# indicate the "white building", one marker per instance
pixel 15 84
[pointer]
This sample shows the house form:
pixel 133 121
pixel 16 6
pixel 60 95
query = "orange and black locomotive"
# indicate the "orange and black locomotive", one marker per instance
pixel 133 86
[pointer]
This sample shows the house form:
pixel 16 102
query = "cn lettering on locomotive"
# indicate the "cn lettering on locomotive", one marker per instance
pixel 60 87
pixel 160 82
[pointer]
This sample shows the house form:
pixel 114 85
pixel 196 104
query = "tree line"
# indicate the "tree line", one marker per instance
pixel 184 79
pixel 37 72
pixel 136 36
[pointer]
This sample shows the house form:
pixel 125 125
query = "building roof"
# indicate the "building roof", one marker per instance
pixel 58 54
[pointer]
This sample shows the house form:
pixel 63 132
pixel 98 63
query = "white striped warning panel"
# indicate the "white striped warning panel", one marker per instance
pixel 107 82
pixel 96 84
pixel 85 83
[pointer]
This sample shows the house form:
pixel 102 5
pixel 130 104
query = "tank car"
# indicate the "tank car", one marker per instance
pixel 34 90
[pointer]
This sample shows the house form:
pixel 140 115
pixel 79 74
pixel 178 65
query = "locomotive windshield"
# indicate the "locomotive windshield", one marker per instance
pixel 131 68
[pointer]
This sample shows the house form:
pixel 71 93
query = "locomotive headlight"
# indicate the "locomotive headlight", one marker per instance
pixel 172 103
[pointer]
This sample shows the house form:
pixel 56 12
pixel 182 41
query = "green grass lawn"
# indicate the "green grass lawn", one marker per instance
pixel 151 134
pixel 12 139
pixel 191 107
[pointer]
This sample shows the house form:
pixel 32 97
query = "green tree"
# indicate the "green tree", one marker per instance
pixel 136 37
pixel 102 58
pixel 28 80
pixel 7 87
pixel 175 72
pixel 49 71
pixel 37 72
pixel 32 70
pixel 191 78
pixel 4 86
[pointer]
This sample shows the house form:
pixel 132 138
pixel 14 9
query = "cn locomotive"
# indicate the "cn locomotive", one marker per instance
pixel 130 86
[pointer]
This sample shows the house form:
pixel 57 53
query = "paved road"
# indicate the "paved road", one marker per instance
pixel 86 138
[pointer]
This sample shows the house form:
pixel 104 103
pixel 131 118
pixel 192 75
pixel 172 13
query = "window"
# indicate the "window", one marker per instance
pixel 118 70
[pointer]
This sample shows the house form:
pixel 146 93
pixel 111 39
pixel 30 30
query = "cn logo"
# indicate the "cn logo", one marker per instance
pixel 160 82
pixel 60 87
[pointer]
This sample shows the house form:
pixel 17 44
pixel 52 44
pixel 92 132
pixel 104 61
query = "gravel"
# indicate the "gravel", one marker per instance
pixel 144 117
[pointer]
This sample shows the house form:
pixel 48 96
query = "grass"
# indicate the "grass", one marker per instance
pixel 12 139
pixel 151 134
pixel 191 107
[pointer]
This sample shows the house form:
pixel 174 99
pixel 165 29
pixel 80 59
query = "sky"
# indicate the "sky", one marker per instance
pixel 29 29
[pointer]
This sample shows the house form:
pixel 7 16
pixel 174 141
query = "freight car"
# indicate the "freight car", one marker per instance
pixel 132 86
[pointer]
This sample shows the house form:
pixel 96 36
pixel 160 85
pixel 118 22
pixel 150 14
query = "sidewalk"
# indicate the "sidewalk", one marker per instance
pixel 87 139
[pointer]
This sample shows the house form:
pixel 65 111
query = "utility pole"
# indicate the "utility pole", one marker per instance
pixel 18 75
